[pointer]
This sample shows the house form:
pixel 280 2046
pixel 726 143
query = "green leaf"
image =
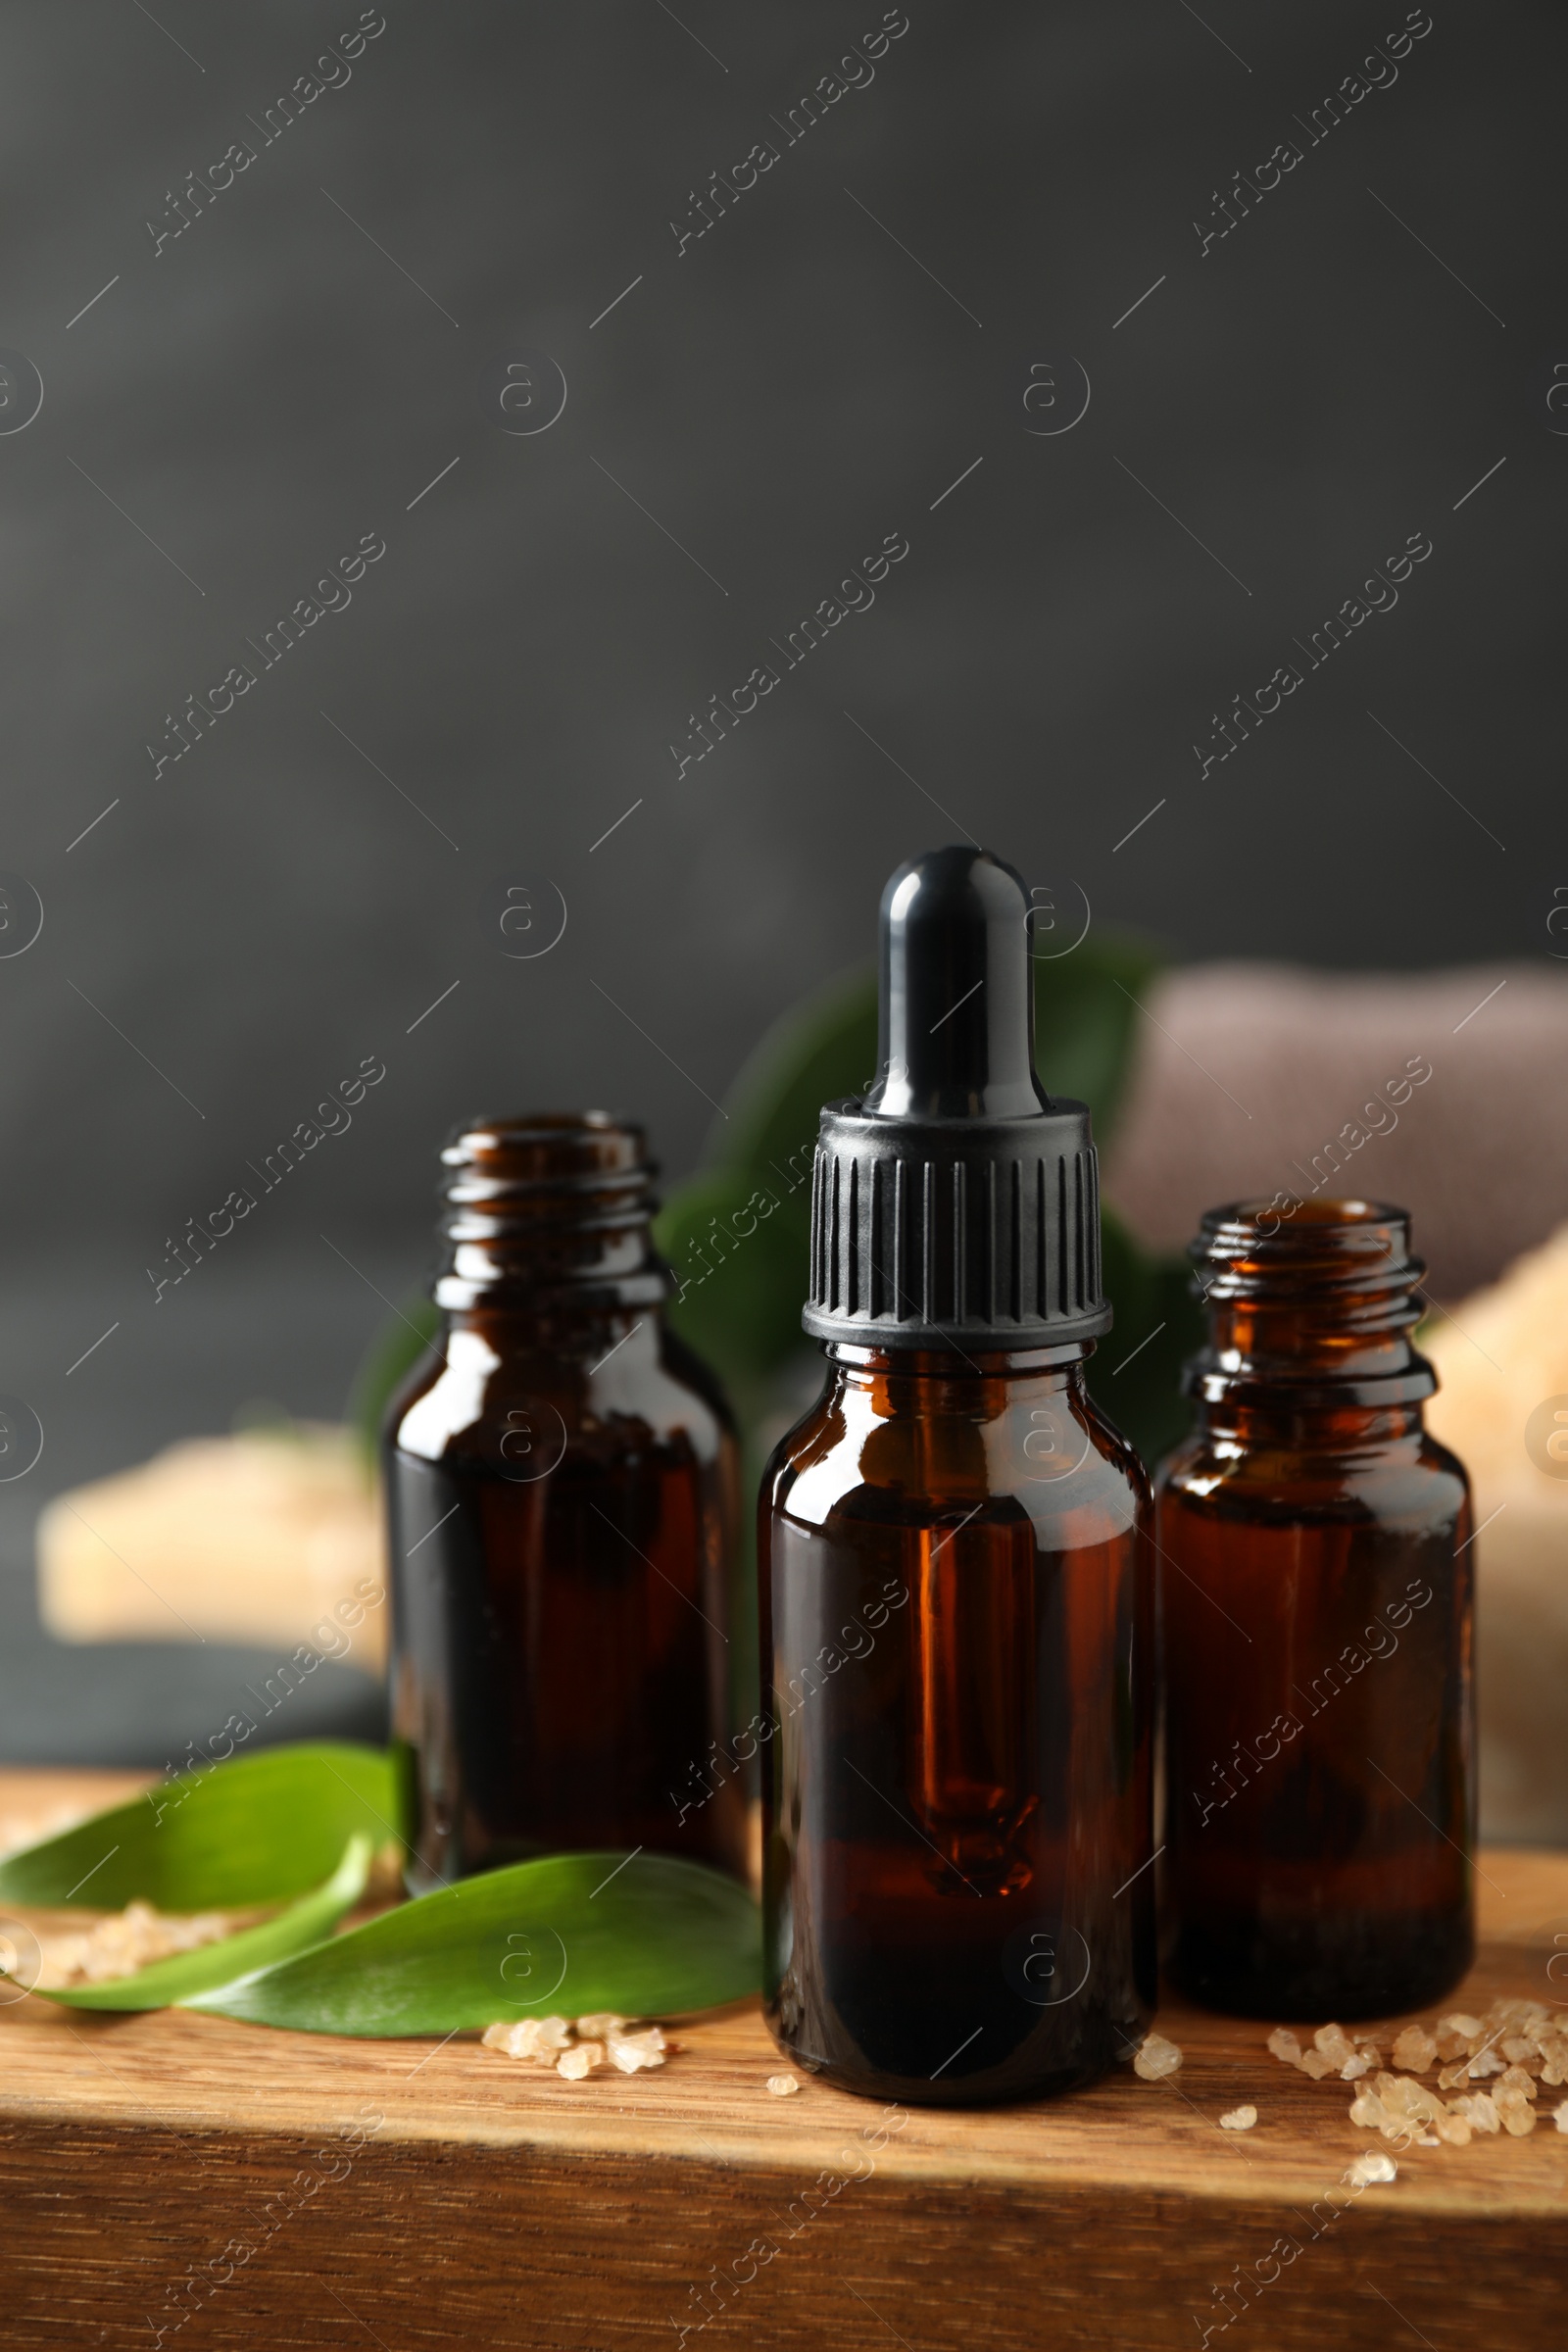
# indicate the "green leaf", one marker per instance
pixel 651 1937
pixel 1086 1012
pixel 740 1249
pixel 262 1829
pixel 1134 1374
pixel 165 1982
pixel 820 1050
pixel 737 1233
pixel 1086 1003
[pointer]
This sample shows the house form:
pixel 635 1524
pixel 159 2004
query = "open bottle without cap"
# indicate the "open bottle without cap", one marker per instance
pixel 561 1486
pixel 956 1577
pixel 1316 1597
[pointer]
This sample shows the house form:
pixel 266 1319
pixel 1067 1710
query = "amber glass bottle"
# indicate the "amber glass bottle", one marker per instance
pixel 562 1492
pixel 955 1579
pixel 1316 1602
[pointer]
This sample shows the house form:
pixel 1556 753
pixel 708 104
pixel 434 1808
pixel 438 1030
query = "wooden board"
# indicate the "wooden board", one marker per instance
pixel 495 2204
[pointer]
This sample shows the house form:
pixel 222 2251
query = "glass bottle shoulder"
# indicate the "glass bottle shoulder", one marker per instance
pixel 915 1448
pixel 1400 1479
pixel 462 1394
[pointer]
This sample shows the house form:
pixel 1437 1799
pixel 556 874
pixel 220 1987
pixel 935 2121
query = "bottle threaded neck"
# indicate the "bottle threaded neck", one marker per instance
pixel 552 1208
pixel 1310 1304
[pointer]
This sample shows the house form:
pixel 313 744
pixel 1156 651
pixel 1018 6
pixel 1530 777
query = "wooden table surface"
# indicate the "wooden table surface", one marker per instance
pixel 184 2179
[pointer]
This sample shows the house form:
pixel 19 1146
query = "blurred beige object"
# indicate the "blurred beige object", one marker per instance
pixel 265 1538
pixel 1256 1078
pixel 1503 1358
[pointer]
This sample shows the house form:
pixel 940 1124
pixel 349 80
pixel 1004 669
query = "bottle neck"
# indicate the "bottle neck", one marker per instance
pixel 927 1379
pixel 1283 1426
pixel 580 1335
pixel 1309 1312
pixel 547 1227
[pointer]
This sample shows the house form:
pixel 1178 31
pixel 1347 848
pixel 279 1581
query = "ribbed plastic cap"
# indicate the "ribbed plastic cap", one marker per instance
pixel 955 1205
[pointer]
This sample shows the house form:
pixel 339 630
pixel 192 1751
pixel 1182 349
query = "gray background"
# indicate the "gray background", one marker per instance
pixel 237 933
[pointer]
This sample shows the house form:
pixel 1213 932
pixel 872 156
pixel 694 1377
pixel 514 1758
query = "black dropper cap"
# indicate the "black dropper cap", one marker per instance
pixel 955 1205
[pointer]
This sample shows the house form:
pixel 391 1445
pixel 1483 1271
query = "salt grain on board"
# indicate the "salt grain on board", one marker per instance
pixel 1414 2050
pixel 581 2060
pixel 576 2051
pixel 1373 2166
pixel 1156 2059
pixel 1515 2048
pixel 130 1940
pixel 633 2052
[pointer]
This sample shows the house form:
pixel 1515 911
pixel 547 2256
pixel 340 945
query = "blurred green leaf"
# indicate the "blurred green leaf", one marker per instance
pixel 739 1231
pixel 165 1982
pixel 261 1829
pixel 739 1248
pixel 1134 1374
pixel 647 1936
pixel 1086 1010
pixel 741 1272
pixel 1086 1002
pixel 821 1049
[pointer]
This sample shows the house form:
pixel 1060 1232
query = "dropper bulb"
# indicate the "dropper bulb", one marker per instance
pixel 957 1012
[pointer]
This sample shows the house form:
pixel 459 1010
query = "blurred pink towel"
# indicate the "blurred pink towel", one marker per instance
pixel 1256 1078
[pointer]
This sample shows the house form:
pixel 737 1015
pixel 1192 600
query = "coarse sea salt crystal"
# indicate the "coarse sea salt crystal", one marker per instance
pixel 1397 2106
pixel 1517 2115
pixel 1373 2166
pixel 124 1941
pixel 581 2059
pixel 631 2052
pixel 1414 2050
pixel 1239 2119
pixel 1478 2110
pixel 1282 2044
pixel 541 2039
pixel 1156 2059
pixel 781 2086
pixel 549 2042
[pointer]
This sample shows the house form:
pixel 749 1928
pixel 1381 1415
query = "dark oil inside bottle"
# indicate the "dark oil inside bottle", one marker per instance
pixel 958 1794
pixel 560 1479
pixel 1316 1597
